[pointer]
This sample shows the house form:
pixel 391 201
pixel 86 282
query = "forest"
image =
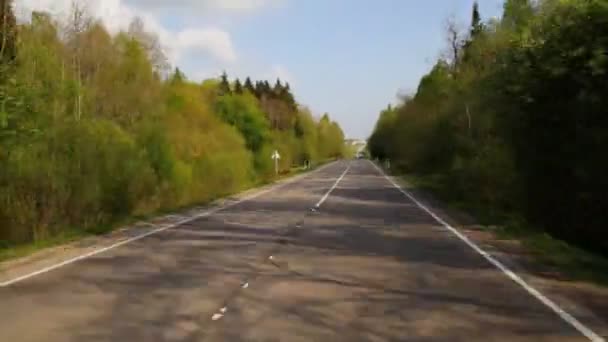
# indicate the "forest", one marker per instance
pixel 513 119
pixel 97 127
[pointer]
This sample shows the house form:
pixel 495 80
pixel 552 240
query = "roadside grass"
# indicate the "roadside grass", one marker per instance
pixel 13 251
pixel 10 251
pixel 569 260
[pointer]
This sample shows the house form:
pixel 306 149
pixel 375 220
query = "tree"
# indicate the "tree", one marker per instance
pixel 287 97
pixel 151 43
pixel 278 88
pixel 178 76
pixel 79 22
pixel 224 88
pixel 455 42
pixel 249 86
pixel 330 138
pixel 244 113
pixel 90 134
pixel 259 89
pixel 267 90
pixel 238 87
pixel 476 23
pixel 8 53
pixel 517 14
pixel 8 32
pixel 515 110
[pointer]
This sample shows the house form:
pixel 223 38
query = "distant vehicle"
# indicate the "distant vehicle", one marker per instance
pixel 360 155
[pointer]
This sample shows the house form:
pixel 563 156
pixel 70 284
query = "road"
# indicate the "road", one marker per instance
pixel 368 265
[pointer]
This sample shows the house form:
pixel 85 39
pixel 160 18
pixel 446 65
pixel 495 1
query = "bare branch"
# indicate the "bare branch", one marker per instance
pixel 455 40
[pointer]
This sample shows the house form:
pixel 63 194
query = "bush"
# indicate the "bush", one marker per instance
pixel 516 121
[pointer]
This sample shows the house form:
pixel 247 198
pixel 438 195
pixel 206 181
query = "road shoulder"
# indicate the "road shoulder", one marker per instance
pixel 59 254
pixel 585 300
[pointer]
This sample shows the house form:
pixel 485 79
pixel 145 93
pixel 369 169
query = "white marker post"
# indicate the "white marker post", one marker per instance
pixel 276 156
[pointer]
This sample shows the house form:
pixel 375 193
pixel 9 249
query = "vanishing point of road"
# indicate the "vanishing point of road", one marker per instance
pixel 340 254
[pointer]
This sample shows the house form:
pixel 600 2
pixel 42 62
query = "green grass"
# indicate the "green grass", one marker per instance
pixel 569 260
pixel 12 251
pixel 9 251
pixel 572 261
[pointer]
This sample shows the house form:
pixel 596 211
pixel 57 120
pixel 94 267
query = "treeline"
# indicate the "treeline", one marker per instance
pixel 515 119
pixel 95 127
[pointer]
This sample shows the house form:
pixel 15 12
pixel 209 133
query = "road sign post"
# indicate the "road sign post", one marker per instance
pixel 276 156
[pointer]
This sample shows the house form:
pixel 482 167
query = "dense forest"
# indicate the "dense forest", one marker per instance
pixel 95 127
pixel 514 118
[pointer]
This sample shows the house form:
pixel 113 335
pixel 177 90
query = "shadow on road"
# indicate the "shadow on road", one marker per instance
pixel 368 266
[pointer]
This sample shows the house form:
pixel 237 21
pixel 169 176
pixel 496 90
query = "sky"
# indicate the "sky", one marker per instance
pixel 349 58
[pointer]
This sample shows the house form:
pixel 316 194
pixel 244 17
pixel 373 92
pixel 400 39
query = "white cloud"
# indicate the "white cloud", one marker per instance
pixel 116 15
pixel 225 5
pixel 281 72
pixel 213 41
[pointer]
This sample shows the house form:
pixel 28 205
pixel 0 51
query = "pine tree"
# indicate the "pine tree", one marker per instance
pixel 259 89
pixel 266 89
pixel 476 24
pixel 475 30
pixel 178 76
pixel 249 86
pixel 224 87
pixel 288 97
pixel 278 87
pixel 238 87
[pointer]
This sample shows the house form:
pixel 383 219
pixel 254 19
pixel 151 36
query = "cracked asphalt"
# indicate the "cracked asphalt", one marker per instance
pixel 367 265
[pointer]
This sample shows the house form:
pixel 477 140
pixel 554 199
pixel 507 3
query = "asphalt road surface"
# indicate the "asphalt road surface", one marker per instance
pixel 368 265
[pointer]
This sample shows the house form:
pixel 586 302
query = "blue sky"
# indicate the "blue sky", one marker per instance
pixel 349 58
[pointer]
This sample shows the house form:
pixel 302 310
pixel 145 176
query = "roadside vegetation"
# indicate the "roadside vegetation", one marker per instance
pixel 96 128
pixel 511 123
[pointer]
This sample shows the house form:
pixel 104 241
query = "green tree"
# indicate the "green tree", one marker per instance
pixel 520 110
pixel 243 112
pixel 8 32
pixel 224 87
pixel 178 76
pixel 90 133
pixel 476 23
pixel 259 89
pixel 238 87
pixel 278 89
pixel 249 86
pixel 267 89
pixel 517 14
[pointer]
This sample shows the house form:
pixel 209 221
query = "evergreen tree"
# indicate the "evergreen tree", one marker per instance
pixel 249 86
pixel 238 87
pixel 475 30
pixel 476 24
pixel 278 87
pixel 288 97
pixel 259 89
pixel 224 87
pixel 266 89
pixel 178 76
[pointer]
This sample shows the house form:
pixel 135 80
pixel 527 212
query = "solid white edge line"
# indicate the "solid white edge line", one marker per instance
pixel 324 198
pixel 590 334
pixel 156 231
